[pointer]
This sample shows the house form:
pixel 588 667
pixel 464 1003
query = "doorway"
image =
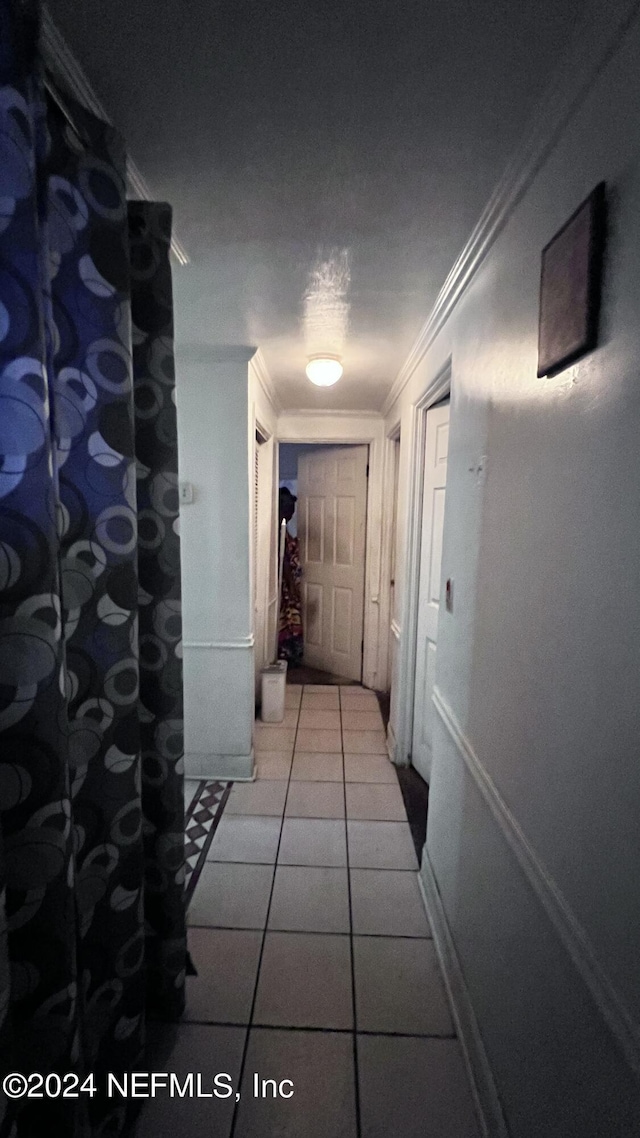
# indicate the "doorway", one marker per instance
pixel 434 483
pixel 330 484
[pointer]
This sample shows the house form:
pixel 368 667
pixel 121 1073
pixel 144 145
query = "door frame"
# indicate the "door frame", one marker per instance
pixel 436 390
pixel 393 442
pixel 357 428
pixel 262 554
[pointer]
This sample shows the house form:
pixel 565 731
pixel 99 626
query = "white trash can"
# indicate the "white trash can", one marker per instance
pixel 274 680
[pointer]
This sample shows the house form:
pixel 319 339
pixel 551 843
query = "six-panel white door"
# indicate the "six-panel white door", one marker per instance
pixel 435 481
pixel 332 508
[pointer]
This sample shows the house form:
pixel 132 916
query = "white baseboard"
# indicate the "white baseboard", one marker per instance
pixel 487 1100
pixel 219 768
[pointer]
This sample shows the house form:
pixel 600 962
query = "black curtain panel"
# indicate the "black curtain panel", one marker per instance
pixel 39 968
pixel 92 922
pixel 160 607
pixel 97 510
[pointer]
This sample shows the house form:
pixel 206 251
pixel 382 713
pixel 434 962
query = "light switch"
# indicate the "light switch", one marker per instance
pixel 186 493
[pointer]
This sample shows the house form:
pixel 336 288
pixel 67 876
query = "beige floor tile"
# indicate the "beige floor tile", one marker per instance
pixel 227 964
pixel 267 738
pixel 386 902
pixel 265 797
pixel 246 837
pixel 314 841
pixel 305 981
pixel 364 743
pixel 315 800
pixel 292 695
pixel 369 768
pixel 326 742
pixel 316 767
pixel 326 700
pixel 320 1065
pixel 381 845
pixel 361 721
pixel 273 765
pixel 399 987
pixel 290 719
pixel 358 699
pixel 326 720
pixel 180 1050
pixel 310 899
pixel 375 802
pixel 229 895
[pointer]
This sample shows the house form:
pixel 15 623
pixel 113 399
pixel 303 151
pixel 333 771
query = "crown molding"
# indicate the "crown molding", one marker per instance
pixel 325 413
pixel 597 41
pixel 64 67
pixel 263 376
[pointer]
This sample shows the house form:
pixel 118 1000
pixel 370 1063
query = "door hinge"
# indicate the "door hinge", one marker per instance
pixel 367 470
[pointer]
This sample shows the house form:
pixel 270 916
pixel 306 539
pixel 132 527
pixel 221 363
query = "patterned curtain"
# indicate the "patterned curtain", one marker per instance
pixel 160 612
pixel 91 838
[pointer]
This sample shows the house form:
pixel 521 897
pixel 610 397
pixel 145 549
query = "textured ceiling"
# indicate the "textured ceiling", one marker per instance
pixel 336 149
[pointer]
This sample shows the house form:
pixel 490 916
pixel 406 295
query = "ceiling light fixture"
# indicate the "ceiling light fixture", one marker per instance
pixel 324 370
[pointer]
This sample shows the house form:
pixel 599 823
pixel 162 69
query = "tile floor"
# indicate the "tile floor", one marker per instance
pixel 314 955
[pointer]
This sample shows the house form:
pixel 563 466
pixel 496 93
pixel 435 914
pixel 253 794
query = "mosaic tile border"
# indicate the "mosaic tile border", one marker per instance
pixel 201 822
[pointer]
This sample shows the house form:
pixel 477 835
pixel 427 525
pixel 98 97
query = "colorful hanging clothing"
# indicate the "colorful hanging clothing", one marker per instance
pixel 290 636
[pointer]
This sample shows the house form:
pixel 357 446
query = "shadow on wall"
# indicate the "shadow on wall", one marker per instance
pixel 289 455
pixel 292 485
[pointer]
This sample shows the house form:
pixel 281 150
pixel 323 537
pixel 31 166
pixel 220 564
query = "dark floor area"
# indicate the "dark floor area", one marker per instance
pixel 301 674
pixel 384 700
pixel 415 790
pixel 415 793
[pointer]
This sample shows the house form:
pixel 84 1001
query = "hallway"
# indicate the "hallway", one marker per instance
pixel 314 956
pixel 384 257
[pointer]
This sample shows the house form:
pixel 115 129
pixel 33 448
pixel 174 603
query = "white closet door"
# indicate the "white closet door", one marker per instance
pixel 332 510
pixel 435 481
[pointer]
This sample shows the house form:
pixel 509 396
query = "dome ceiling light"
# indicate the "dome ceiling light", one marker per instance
pixel 324 370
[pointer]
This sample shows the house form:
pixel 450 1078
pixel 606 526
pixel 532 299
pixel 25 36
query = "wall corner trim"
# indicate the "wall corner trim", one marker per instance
pixel 485 1093
pixel 593 47
pixel 263 377
pixel 566 924
pixel 63 65
pixel 226 645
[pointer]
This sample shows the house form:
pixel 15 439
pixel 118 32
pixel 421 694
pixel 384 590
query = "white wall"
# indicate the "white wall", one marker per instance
pixel 532 843
pixel 214 414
